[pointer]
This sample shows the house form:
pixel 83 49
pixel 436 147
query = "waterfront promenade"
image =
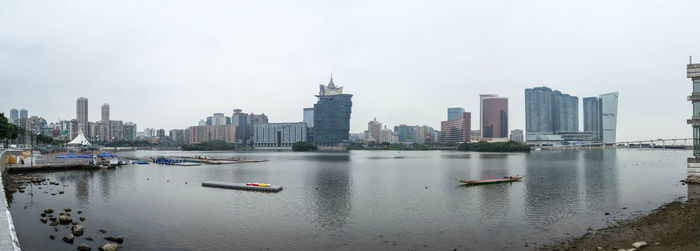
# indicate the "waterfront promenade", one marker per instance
pixel 8 236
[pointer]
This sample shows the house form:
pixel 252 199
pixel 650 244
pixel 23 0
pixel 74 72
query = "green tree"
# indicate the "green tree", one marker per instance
pixel 44 139
pixel 303 146
pixel 482 146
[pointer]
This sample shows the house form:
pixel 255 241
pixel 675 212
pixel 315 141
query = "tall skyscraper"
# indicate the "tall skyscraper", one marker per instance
pixel 457 130
pixel 592 117
pixel 547 112
pixel 608 103
pixel 82 113
pixel 454 113
pixel 309 117
pixel 494 115
pixel 23 114
pixel 14 115
pixel 332 115
pixel 565 112
pixel 481 111
pixel 693 73
pixel 105 112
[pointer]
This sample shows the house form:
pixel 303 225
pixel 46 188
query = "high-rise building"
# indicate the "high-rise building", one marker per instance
pixel 177 136
pixel 116 130
pixel 82 113
pixel 309 117
pixel 309 120
pixel 454 113
pixel 457 130
pixel 279 135
pixel 565 112
pixel 517 135
pixel 332 115
pixel 494 117
pixel 608 103
pixel 406 133
pixel 218 119
pixel 23 114
pixel 481 111
pixel 199 134
pixel 105 112
pixel 388 136
pixel 592 117
pixel 255 119
pixel 241 120
pixel 14 115
pixel 129 131
pixel 693 73
pixel 374 128
pixel 547 112
pixel 160 133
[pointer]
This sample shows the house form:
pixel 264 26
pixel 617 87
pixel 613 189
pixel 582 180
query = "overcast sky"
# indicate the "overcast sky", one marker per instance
pixel 168 64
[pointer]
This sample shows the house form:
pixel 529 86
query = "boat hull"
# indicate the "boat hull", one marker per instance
pixel 489 181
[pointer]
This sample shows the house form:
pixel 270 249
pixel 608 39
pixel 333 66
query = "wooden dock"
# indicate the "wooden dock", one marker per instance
pixel 239 186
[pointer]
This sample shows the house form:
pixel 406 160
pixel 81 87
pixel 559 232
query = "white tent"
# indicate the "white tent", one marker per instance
pixel 80 140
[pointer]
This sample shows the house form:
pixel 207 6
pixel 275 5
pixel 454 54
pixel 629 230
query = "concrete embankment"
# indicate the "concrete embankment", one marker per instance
pixel 8 236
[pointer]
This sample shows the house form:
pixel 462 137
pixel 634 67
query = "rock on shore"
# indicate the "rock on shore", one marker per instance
pixel 117 239
pixel 671 226
pixel 77 230
pixel 692 179
pixel 109 247
pixel 69 238
pixel 83 247
pixel 64 219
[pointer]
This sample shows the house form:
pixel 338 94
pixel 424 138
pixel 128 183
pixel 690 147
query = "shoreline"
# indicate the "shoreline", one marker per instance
pixel 672 226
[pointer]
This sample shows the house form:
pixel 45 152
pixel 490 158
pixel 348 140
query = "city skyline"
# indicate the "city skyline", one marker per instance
pixel 278 67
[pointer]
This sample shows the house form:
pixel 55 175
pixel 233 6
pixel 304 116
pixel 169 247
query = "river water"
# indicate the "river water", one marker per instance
pixel 357 200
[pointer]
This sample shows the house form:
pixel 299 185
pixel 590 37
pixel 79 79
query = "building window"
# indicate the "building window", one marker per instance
pixel 696 109
pixel 696 85
pixel 696 141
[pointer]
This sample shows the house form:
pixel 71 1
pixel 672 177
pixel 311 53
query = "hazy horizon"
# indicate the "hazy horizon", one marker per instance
pixel 167 64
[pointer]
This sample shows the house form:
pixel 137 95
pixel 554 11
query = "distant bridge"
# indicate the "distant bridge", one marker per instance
pixel 675 144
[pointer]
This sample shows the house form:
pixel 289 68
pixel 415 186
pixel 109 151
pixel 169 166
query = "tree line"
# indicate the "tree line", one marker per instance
pixel 8 131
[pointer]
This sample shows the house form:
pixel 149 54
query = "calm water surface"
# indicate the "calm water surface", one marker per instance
pixel 365 200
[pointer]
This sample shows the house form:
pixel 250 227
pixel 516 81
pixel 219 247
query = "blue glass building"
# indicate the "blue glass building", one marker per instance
pixel 332 115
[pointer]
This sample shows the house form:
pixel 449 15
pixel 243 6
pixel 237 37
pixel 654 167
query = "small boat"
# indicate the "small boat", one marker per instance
pixel 489 181
pixel 213 162
pixel 227 161
pixel 140 162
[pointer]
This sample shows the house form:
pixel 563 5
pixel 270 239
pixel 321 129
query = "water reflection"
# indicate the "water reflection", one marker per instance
pixel 82 187
pixel 456 156
pixel 493 156
pixel 333 199
pixel 600 185
pixel 552 189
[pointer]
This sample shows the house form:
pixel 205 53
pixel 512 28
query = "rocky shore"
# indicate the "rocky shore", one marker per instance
pixel 673 226
pixel 60 221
